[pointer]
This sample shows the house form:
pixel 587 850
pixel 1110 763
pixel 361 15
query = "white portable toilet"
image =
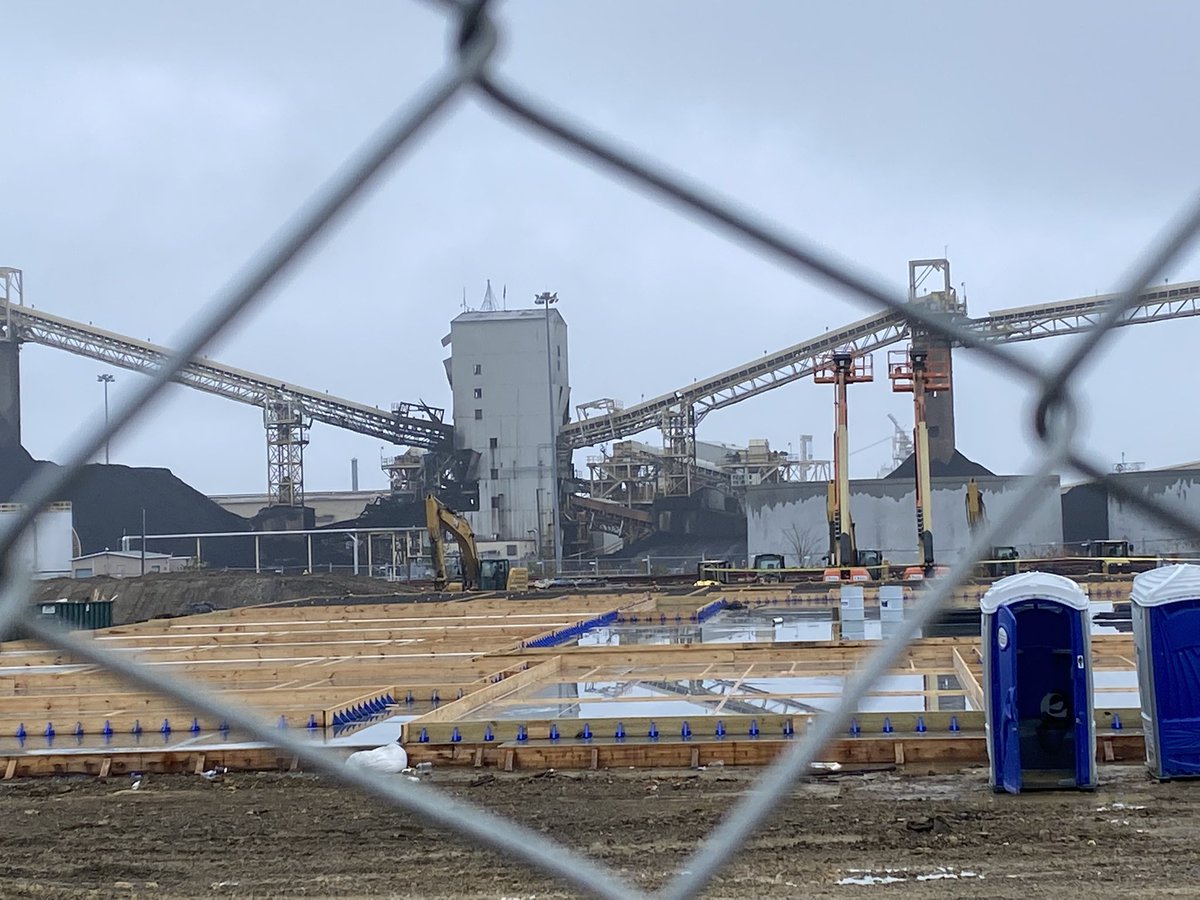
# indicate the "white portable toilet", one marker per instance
pixel 1037 684
pixel 1165 608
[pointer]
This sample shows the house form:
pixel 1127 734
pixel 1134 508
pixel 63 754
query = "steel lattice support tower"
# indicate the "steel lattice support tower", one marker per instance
pixel 679 451
pixel 287 435
pixel 12 293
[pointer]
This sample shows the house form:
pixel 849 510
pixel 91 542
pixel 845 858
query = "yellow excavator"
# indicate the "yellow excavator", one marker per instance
pixel 477 574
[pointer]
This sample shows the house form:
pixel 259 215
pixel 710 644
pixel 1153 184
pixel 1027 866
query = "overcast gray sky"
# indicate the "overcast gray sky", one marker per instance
pixel 150 148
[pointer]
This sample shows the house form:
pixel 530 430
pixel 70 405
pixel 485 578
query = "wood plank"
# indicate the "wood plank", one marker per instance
pixel 541 673
pixel 967 680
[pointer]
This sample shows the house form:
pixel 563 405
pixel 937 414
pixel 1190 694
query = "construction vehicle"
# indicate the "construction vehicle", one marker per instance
pixel 873 561
pixel 1108 549
pixel 1116 557
pixel 842 368
pixel 768 568
pixel 1003 562
pixel 712 571
pixel 476 573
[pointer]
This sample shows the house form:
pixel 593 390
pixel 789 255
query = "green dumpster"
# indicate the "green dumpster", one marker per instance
pixel 87 614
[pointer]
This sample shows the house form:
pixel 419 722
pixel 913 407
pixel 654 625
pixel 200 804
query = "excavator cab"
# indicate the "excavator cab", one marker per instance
pixel 493 574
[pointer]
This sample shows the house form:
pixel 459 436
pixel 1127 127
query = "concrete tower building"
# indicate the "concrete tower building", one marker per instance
pixel 502 389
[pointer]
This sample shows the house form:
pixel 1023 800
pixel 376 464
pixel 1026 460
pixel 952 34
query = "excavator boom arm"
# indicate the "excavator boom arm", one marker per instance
pixel 440 519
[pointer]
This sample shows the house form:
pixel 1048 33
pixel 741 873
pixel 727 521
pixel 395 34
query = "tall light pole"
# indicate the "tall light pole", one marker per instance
pixel 106 380
pixel 545 299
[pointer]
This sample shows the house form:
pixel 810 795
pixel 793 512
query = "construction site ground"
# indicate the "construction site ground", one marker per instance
pixel 848 834
pixel 188 593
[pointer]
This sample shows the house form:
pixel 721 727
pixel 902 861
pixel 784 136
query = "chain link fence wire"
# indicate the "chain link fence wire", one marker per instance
pixel 468 70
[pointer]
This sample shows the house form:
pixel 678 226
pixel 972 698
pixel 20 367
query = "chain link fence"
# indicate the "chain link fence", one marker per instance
pixel 469 70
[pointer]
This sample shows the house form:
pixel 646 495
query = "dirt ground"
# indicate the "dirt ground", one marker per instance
pixel 942 835
pixel 186 593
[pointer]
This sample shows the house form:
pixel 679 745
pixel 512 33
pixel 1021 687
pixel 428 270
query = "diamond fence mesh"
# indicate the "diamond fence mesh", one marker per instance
pixel 469 70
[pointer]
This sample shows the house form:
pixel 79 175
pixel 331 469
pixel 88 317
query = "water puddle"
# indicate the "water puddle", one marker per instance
pixel 762 625
pixel 711 696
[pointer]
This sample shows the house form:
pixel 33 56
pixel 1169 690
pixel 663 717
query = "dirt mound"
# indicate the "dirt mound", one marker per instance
pixel 187 593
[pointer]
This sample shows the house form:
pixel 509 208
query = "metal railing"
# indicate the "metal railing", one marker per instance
pixel 469 70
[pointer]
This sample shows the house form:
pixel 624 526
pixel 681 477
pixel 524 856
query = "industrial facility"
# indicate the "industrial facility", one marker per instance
pixel 549 481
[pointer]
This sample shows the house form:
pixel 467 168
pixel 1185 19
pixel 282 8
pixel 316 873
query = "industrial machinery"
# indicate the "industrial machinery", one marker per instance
pixel 441 519
pixel 712 571
pixel 481 574
pixel 842 368
pixel 976 511
pixel 1003 561
pixel 911 372
pixel 768 568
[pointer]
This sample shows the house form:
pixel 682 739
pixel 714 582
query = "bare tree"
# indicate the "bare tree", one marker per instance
pixel 805 544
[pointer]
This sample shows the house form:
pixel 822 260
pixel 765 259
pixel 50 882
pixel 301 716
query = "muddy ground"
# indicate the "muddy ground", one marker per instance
pixel 187 593
pixel 273 835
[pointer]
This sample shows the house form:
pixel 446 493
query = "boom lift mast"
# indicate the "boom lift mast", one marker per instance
pixel 840 369
pixel 911 372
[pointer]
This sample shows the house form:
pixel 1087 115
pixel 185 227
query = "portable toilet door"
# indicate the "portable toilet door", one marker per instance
pixel 1038 715
pixel 1165 608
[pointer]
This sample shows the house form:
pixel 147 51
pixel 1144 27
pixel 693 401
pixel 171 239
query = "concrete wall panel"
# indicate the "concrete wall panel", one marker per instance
pixel 787 518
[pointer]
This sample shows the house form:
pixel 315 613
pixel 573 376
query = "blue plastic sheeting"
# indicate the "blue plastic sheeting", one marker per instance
pixel 567 635
pixel 1175 652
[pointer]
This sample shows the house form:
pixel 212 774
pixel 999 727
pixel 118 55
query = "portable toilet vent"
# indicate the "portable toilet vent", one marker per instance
pixel 1037 675
pixel 1165 607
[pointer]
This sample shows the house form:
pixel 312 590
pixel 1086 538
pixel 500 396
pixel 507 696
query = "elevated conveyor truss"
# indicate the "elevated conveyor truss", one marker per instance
pixel 1170 301
pixel 406 424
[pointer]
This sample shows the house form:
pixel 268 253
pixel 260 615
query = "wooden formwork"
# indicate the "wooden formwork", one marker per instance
pixel 298 663
pixel 462 667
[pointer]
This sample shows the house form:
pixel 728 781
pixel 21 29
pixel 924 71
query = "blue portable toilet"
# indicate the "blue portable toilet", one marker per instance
pixel 1037 681
pixel 1165 607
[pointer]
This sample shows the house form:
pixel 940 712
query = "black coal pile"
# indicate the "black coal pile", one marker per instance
pixel 682 552
pixel 957 467
pixel 387 512
pixel 107 503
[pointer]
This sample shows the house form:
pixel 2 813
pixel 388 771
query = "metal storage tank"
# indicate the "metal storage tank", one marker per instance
pixel 1165 607
pixel 45 548
pixel 1037 680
